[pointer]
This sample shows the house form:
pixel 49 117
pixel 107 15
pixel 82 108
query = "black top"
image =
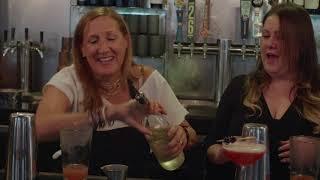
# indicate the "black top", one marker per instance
pixel 232 114
pixel 128 146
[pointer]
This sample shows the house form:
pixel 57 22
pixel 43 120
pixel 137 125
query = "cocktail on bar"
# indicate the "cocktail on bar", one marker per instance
pixel 244 152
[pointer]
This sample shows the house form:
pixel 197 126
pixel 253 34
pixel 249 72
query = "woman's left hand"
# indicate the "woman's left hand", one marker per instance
pixel 284 151
pixel 178 140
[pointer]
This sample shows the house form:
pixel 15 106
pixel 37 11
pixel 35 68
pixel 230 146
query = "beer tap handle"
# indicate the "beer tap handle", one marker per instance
pixel 13 31
pixel 5 35
pixel 191 24
pixel 205 28
pixel 26 34
pixel 41 37
pixel 6 46
pixel 245 8
pixel 179 37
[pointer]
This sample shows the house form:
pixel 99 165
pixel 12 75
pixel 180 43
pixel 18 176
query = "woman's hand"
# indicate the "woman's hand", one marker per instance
pixel 216 155
pixel 178 140
pixel 133 113
pixel 284 151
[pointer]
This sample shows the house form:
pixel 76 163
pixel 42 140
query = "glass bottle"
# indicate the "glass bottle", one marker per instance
pixel 159 140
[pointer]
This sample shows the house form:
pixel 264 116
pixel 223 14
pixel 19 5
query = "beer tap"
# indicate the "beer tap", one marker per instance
pixel 179 36
pixel 12 45
pixel 245 8
pixel 243 48
pixel 257 24
pixel 39 48
pixel 5 43
pixel 191 25
pixel 28 47
pixel 205 28
pixel 25 60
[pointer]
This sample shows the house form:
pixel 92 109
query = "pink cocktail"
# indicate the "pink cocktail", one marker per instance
pixel 75 172
pixel 244 153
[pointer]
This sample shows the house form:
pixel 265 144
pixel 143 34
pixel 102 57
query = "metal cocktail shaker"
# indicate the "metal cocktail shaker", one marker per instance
pixel 21 160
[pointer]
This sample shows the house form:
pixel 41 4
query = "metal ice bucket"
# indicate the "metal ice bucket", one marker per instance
pixel 21 160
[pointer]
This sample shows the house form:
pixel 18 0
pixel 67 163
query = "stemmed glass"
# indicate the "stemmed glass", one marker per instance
pixel 246 150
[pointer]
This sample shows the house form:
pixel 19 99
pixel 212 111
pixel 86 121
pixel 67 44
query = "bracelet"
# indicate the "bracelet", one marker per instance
pixel 185 128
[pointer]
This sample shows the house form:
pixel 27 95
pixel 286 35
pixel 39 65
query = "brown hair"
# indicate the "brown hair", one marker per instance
pixel 299 50
pixel 92 99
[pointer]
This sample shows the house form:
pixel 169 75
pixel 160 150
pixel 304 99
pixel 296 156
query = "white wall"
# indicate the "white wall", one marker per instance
pixel 50 16
pixel 47 15
pixel 3 16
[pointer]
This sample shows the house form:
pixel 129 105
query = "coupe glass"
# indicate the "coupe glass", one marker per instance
pixel 245 150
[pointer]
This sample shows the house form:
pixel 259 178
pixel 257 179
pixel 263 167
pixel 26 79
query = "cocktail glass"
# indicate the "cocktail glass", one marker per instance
pixel 75 144
pixel 243 152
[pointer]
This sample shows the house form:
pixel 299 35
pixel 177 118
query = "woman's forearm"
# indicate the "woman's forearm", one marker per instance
pixel 49 125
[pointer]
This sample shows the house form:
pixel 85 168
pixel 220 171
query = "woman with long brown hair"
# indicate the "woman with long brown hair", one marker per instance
pixel 283 92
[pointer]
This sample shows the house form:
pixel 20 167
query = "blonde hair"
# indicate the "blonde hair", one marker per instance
pixel 92 98
pixel 300 52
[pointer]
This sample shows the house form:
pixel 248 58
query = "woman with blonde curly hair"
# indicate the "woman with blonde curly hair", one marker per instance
pixel 283 93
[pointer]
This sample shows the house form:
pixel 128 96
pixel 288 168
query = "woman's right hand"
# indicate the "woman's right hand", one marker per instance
pixel 133 113
pixel 284 151
pixel 215 154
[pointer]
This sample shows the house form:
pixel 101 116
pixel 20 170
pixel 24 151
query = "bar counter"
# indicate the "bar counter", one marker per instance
pixel 58 176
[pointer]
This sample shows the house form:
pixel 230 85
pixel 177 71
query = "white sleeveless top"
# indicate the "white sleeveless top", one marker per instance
pixel 155 88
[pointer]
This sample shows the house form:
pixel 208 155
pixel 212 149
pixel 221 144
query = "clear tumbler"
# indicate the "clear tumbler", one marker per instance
pixel 304 158
pixel 260 170
pixel 75 145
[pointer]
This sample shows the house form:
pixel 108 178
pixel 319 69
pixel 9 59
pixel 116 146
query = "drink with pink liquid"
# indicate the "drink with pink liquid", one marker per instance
pixel 244 153
pixel 75 172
